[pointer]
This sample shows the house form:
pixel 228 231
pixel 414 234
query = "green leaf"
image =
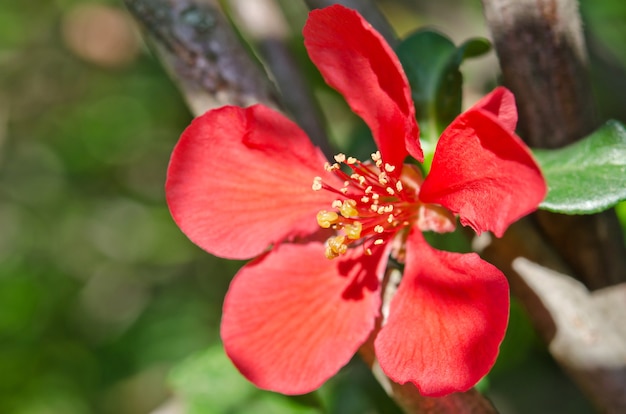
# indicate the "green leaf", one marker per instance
pixel 431 62
pixel 208 383
pixel 588 176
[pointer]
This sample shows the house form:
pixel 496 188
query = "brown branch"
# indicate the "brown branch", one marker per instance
pixel 544 62
pixel 202 53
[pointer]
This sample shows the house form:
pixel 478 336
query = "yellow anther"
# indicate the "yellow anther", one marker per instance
pixel 375 196
pixel 337 245
pixel 340 157
pixel 368 252
pixel 389 167
pixel 344 190
pixel 365 199
pixel 330 253
pixel 390 219
pixel 391 191
pixel 381 210
pixel 347 209
pixel 336 204
pixel 362 180
pixel 376 156
pixel 389 208
pixel 383 179
pixel 353 231
pixel 378 241
pixel 317 184
pixel 351 160
pixel 368 189
pixel 399 186
pixel 379 229
pixel 374 207
pixel 325 219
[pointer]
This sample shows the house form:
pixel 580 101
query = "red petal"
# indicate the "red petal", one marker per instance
pixel 240 179
pixel 356 60
pixel 501 103
pixel 446 321
pixel 293 318
pixel 484 173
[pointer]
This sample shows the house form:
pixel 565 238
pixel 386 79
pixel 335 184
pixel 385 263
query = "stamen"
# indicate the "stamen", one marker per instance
pixel 325 219
pixel 383 178
pixel 317 184
pixel 361 214
pixel 347 209
pixel 353 231
pixel 336 246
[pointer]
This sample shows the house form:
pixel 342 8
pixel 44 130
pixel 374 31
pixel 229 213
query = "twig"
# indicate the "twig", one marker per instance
pixel 202 53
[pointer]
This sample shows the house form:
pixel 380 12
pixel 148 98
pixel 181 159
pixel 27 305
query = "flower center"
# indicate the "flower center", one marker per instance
pixel 375 203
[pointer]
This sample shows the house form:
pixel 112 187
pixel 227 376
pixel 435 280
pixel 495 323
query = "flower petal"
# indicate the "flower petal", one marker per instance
pixel 240 179
pixel 354 59
pixel 293 318
pixel 501 103
pixel 483 172
pixel 446 321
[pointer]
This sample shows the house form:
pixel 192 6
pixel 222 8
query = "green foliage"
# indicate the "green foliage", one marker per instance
pixel 588 176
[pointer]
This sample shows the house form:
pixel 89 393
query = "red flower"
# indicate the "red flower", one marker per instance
pixel 240 180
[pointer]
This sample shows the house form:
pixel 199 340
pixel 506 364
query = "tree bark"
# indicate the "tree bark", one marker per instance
pixel 202 53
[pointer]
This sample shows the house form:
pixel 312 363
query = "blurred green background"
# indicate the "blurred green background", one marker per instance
pixel 105 307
